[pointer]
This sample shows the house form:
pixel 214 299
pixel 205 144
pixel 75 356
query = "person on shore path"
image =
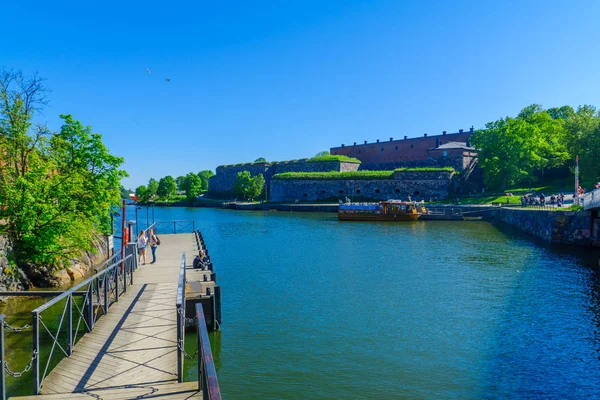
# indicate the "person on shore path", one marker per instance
pixel 141 243
pixel 153 244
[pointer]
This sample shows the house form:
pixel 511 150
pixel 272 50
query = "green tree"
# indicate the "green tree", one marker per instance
pixel 260 160
pixel 141 192
pixel 56 189
pixel 152 187
pixel 204 176
pixel 180 182
pixel 323 153
pixel 248 187
pixel 167 186
pixel 192 186
pixel 583 139
pixel 125 193
pixel 511 149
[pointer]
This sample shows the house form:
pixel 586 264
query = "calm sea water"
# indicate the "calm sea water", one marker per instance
pixel 316 308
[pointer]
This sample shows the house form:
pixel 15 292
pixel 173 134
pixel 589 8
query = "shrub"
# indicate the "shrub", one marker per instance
pixel 351 175
pixel 334 158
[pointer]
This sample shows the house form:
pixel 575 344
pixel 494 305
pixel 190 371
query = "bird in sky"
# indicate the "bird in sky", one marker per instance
pixel 148 71
pixel 167 79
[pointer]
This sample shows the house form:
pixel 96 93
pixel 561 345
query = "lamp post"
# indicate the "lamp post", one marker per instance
pixel 137 208
pixel 147 218
pixel 153 213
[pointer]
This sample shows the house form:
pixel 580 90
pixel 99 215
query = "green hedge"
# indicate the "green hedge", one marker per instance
pixel 334 158
pixel 352 175
pixel 426 169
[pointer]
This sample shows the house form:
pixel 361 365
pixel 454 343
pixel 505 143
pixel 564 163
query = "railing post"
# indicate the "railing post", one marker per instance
pixel 174 227
pixel 124 266
pixel 117 268
pixel 179 347
pixel 131 261
pixel 200 354
pixel 106 293
pixel 36 348
pixel 2 376
pixel 70 324
pixel 90 297
pixel 193 226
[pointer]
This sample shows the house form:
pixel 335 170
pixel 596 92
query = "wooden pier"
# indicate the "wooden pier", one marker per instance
pixel 132 351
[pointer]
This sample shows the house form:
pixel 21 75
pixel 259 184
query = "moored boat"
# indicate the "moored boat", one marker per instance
pixel 391 210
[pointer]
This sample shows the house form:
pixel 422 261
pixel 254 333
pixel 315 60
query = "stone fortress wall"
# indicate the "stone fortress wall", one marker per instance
pixel 419 185
pixel 222 181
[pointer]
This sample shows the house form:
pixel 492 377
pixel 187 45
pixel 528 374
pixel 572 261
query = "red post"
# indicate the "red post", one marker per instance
pixel 124 237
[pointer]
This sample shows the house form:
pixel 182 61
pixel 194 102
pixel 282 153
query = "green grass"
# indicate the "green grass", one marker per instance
pixel 334 158
pixel 425 169
pixel 351 175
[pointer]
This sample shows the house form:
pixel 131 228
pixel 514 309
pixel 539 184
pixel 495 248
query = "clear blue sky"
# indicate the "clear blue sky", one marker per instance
pixel 287 79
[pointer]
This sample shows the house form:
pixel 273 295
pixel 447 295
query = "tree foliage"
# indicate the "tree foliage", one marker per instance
pixel 248 187
pixel 512 149
pixel 323 153
pixel 260 160
pixel 204 176
pixel 56 189
pixel 167 186
pixel 180 180
pixel 192 186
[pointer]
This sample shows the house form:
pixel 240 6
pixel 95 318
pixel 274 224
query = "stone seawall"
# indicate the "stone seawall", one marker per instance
pixel 564 227
pixel 419 185
pixel 222 181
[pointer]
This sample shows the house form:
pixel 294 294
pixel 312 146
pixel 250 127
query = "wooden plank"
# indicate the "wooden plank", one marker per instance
pixel 136 342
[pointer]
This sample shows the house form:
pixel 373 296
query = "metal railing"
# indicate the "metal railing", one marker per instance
pixel 185 226
pixel 180 306
pixel 207 373
pixel 101 291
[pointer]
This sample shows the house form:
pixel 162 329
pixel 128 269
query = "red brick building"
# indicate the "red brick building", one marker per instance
pixel 419 151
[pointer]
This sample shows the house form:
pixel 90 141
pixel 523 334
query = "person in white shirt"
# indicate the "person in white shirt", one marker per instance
pixel 141 243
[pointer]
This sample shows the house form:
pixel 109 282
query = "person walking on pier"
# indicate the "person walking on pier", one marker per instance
pixel 141 243
pixel 153 244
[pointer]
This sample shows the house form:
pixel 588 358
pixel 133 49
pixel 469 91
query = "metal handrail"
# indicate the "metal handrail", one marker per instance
pixel 178 223
pixel 180 305
pixel 207 373
pixel 104 287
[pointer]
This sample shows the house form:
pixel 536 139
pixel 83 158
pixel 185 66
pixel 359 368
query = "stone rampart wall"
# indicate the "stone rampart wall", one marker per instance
pixel 566 227
pixel 419 185
pixel 223 180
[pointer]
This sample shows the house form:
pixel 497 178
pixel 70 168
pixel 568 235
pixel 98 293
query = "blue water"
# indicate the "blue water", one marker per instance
pixel 316 308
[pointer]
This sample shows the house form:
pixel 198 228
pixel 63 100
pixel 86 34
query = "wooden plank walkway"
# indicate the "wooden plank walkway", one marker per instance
pixel 132 350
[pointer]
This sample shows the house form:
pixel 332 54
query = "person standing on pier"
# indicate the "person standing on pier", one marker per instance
pixel 153 244
pixel 141 243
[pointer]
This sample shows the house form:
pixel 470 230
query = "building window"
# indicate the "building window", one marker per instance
pixel 445 154
pixel 335 153
pixel 359 152
pixel 382 149
pixel 396 147
pixel 412 146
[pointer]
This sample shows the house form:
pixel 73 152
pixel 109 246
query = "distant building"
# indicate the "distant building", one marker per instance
pixel 447 149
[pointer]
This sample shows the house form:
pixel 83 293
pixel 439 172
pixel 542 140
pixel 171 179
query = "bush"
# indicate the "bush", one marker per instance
pixel 333 158
pixel 426 169
pixel 352 175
